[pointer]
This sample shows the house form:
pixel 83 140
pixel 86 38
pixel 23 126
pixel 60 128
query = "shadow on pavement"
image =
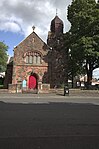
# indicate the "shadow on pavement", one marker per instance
pixel 49 126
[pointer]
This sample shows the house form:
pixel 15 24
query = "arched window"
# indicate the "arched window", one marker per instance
pixel 30 59
pixel 33 58
pixel 27 59
pixel 38 59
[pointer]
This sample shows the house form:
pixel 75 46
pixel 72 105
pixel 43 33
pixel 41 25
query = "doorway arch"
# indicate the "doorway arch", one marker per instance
pixel 33 81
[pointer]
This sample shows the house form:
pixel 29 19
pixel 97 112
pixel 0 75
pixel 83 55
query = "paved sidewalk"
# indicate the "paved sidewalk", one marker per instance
pixel 59 93
pixel 86 97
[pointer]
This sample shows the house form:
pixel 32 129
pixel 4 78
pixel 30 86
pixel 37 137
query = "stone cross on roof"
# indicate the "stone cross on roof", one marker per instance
pixel 33 28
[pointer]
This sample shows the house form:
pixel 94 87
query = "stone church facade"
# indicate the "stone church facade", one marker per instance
pixel 34 63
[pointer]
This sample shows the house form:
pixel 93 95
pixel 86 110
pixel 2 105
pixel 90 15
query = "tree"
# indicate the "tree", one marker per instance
pixel 3 56
pixel 84 34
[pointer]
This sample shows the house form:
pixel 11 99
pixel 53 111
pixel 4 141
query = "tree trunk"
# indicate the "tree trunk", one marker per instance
pixel 66 67
pixel 89 77
pixel 89 74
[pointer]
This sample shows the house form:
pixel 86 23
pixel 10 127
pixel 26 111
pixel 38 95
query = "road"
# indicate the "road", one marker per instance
pixel 49 122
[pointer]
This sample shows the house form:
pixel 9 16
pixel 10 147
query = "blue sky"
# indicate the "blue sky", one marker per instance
pixel 11 39
pixel 18 16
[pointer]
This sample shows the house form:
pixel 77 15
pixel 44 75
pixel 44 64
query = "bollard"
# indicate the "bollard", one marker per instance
pixel 66 90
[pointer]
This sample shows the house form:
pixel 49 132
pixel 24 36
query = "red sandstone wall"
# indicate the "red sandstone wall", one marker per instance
pixel 20 68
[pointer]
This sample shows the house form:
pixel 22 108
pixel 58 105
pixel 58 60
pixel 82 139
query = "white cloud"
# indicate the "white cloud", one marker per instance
pixel 10 26
pixel 21 15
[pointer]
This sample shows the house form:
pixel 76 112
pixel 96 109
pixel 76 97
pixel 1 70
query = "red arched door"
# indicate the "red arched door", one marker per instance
pixel 32 82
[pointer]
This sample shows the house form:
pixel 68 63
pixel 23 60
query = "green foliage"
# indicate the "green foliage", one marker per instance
pixel 3 56
pixel 84 33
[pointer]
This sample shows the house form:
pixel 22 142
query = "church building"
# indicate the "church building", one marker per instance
pixel 33 66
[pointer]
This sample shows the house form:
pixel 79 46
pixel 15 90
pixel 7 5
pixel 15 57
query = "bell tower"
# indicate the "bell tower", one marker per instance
pixel 56 28
pixel 56 25
pixel 56 57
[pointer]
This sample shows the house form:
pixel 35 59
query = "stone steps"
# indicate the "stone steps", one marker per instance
pixel 3 90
